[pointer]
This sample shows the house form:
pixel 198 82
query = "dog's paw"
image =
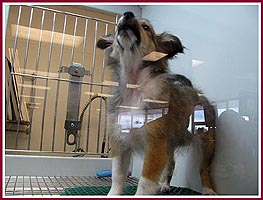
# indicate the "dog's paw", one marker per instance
pixel 208 191
pixel 114 192
pixel 146 187
pixel 164 188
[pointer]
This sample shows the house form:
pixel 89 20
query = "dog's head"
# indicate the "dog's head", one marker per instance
pixel 138 35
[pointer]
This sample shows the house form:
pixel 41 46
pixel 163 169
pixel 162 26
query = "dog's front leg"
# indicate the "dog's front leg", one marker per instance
pixel 167 174
pixel 154 162
pixel 120 167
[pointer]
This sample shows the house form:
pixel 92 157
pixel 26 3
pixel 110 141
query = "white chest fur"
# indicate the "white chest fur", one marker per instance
pixel 136 83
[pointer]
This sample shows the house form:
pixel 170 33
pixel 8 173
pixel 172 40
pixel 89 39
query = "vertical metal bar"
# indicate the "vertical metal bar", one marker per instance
pixel 31 99
pixel 12 62
pixel 14 190
pixel 23 185
pixel 101 91
pixel 193 123
pixel 39 186
pixel 72 59
pixel 92 77
pixel 131 121
pixel 40 39
pixel 58 85
pixel 163 111
pixel 65 140
pixel 25 61
pixel 49 64
pixel 74 39
pixel 34 81
pixel 84 50
pixel 116 21
pixel 146 116
pixel 16 38
pixel 85 42
pixel 30 183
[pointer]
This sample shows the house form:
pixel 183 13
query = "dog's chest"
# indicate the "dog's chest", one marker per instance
pixel 137 84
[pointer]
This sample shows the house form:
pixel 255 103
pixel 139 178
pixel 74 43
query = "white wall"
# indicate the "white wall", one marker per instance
pixel 225 38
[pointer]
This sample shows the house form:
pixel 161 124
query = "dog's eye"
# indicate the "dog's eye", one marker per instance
pixel 146 27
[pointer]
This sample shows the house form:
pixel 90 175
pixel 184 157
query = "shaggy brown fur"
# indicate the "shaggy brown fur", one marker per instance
pixel 158 139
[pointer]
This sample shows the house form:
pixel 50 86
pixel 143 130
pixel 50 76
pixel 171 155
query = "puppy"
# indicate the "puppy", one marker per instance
pixel 139 61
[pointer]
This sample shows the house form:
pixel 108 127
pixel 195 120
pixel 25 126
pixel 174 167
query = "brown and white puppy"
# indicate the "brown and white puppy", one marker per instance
pixel 139 61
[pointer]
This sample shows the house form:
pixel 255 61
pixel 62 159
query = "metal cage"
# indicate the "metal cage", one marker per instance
pixel 53 70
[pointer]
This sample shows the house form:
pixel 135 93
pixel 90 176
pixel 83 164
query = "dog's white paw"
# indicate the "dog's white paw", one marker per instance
pixel 164 188
pixel 146 187
pixel 115 191
pixel 208 191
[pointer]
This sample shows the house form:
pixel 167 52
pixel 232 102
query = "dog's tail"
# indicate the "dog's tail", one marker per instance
pixel 209 108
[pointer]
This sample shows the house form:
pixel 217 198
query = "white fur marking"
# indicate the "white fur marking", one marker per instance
pixel 120 165
pixel 146 186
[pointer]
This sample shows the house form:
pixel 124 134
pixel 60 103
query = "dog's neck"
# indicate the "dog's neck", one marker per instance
pixel 130 63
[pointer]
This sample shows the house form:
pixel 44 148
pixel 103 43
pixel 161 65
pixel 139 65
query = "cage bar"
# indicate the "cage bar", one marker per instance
pixel 45 98
pixel 91 86
pixel 25 61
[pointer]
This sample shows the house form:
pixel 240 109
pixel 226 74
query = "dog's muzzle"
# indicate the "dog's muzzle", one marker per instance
pixel 126 25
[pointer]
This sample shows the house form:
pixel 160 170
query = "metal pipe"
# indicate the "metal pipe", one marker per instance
pixel 61 79
pixel 52 152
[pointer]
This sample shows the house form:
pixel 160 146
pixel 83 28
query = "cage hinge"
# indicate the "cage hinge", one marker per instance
pixel 75 70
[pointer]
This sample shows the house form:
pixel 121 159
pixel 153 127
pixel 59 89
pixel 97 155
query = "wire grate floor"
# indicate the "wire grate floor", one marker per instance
pixel 53 185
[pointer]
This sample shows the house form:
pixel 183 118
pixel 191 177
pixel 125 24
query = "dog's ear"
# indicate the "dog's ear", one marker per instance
pixel 169 44
pixel 105 41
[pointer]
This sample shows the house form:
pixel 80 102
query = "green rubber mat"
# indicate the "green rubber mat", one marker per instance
pixel 129 190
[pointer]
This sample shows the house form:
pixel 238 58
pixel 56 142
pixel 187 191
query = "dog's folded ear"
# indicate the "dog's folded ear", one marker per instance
pixel 169 44
pixel 105 41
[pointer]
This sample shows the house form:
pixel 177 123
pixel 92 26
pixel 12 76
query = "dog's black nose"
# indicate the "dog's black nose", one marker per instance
pixel 128 15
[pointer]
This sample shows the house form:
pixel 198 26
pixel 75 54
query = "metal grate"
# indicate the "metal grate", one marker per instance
pixel 53 185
